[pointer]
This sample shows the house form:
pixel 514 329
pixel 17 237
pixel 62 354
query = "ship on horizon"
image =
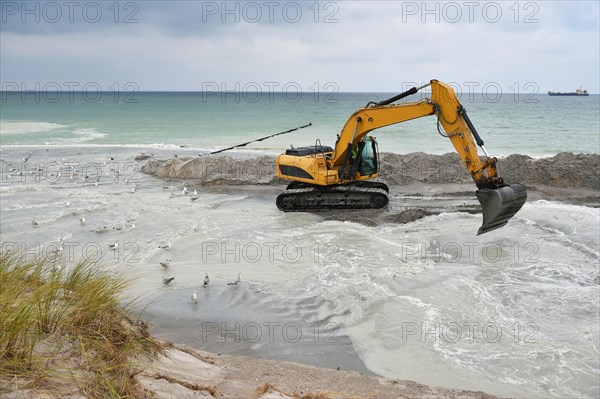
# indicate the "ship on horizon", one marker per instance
pixel 578 92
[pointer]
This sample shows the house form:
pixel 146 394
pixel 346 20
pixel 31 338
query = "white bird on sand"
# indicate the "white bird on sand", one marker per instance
pixel 113 246
pixel 206 281
pixel 166 263
pixel 236 282
pixel 195 296
pixel 67 203
pixel 195 192
pixel 132 190
pixel 167 280
pixel 82 220
pixel 185 191
pixel 165 246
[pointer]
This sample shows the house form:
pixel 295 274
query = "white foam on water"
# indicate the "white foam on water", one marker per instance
pixel 9 127
pixel 84 135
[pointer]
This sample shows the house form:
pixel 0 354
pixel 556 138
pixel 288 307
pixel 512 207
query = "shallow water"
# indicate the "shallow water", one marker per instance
pixel 514 312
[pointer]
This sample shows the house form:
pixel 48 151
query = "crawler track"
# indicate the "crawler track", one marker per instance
pixel 308 198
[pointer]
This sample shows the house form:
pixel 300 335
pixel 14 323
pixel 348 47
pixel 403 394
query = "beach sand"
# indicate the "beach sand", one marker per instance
pixel 186 373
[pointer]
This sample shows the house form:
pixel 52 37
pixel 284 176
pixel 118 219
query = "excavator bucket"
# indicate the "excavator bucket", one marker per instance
pixel 499 205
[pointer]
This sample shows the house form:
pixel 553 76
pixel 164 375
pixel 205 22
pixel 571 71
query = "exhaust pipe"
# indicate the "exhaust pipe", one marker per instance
pixel 499 205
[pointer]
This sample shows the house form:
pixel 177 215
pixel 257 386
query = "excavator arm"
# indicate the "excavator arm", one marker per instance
pixel 453 123
pixel 324 178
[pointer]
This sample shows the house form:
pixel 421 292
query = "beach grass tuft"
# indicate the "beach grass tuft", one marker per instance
pixel 65 330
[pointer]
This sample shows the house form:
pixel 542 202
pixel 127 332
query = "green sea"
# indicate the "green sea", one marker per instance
pixel 536 125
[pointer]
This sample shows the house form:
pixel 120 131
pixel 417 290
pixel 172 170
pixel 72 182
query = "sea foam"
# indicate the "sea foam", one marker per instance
pixel 27 127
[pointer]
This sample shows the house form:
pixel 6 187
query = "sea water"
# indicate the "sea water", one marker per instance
pixel 513 312
pixel 536 125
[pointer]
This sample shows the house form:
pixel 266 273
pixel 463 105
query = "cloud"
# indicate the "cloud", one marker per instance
pixel 360 46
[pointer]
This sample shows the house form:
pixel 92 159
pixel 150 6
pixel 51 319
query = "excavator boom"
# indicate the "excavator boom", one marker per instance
pixel 325 178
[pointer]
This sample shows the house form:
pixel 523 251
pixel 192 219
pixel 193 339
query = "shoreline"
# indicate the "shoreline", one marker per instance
pixel 184 372
pixel 188 150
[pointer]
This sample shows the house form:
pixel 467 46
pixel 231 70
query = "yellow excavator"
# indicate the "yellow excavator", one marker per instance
pixel 324 178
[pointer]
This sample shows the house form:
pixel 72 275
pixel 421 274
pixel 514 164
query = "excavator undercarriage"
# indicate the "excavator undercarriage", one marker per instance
pixel 303 197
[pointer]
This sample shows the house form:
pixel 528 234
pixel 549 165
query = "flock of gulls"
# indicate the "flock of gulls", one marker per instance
pixel 166 280
pixel 68 169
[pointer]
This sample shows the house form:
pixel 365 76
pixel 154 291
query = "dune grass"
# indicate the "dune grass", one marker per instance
pixel 65 331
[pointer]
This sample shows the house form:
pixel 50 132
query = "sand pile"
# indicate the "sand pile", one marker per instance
pixel 561 171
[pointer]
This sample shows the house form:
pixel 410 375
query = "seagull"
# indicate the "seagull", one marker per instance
pixel 132 190
pixel 166 263
pixel 34 223
pixel 167 280
pixel 193 198
pixel 113 246
pixel 195 192
pixel 132 225
pixel 185 191
pixel 82 220
pixel 165 246
pixel 206 281
pixel 195 296
pixel 58 250
pixel 26 159
pixel 67 203
pixel 236 282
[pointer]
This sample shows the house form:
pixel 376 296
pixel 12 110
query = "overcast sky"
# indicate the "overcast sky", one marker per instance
pixel 530 46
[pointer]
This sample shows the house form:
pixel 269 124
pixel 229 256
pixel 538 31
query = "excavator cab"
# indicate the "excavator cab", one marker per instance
pixel 369 163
